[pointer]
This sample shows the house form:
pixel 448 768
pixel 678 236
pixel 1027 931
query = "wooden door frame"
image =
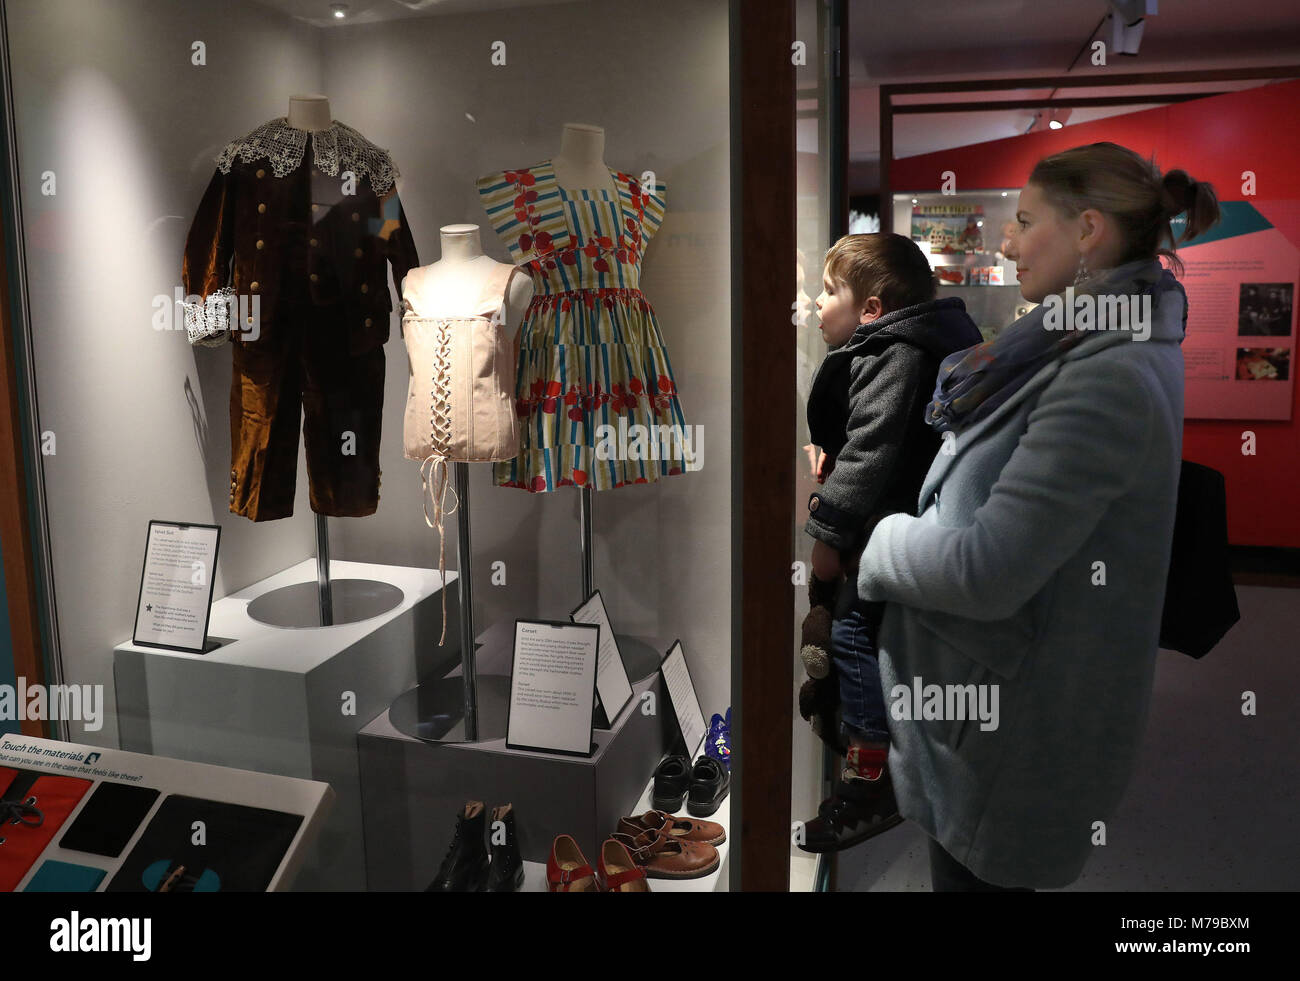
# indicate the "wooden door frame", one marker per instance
pixel 763 251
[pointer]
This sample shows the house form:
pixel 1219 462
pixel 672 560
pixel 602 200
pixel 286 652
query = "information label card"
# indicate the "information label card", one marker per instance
pixel 686 704
pixel 553 686
pixel 176 585
pixel 611 676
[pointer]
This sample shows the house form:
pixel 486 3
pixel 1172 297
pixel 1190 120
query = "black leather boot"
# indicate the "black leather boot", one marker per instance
pixel 465 868
pixel 506 874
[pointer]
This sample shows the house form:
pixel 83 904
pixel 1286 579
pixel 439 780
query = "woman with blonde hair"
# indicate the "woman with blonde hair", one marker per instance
pixel 1028 592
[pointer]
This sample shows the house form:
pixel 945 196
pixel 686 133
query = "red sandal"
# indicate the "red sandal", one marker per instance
pixel 619 871
pixel 567 870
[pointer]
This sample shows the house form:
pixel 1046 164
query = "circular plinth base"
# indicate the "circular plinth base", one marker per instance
pixel 435 711
pixel 298 606
pixel 639 658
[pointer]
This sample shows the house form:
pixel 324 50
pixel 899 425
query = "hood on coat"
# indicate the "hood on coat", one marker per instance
pixel 940 327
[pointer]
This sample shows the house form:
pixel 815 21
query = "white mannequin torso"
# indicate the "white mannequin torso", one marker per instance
pixel 309 112
pixel 580 164
pixel 455 282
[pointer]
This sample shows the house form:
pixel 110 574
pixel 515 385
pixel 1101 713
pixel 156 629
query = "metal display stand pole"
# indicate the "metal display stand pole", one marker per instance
pixel 323 571
pixel 588 576
pixel 466 591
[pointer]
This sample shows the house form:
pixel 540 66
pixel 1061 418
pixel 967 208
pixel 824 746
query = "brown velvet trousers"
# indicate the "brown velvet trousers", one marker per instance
pixel 304 371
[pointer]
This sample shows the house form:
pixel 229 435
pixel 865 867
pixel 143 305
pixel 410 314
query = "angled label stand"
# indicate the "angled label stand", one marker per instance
pixel 613 689
pixel 552 687
pixel 176 583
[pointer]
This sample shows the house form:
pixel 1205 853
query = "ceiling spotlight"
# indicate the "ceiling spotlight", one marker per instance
pixel 340 10
pixel 1057 118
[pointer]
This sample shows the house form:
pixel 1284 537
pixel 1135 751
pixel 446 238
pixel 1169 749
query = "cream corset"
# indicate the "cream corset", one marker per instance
pixel 460 402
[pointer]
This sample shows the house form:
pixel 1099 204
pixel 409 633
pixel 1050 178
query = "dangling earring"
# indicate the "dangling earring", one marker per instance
pixel 1081 274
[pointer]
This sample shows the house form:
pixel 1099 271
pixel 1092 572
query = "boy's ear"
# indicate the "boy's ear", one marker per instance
pixel 871 310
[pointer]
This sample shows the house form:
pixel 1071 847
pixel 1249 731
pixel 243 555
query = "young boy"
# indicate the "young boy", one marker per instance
pixel 866 410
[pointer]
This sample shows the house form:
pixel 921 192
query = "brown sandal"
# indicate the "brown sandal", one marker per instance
pixel 687 829
pixel 665 856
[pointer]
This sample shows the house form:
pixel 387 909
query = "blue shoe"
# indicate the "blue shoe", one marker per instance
pixel 717 745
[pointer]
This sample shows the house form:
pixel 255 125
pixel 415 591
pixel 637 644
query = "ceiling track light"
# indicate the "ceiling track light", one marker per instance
pixel 1127 24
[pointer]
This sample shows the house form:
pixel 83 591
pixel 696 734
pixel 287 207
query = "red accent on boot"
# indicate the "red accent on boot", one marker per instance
pixel 867 761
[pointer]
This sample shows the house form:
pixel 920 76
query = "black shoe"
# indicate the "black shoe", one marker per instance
pixel 856 811
pixel 672 778
pixel 709 785
pixel 506 873
pixel 465 868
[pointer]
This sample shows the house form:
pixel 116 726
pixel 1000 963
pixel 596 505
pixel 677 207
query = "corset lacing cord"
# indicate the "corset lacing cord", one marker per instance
pixel 434 484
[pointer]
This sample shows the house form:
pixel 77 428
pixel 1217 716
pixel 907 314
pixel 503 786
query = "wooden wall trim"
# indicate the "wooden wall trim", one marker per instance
pixel 15 531
pixel 763 356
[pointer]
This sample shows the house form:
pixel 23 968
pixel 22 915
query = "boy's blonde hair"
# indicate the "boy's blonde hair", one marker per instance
pixel 883 264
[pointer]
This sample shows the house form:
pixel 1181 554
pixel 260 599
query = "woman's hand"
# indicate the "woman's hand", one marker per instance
pixel 826 564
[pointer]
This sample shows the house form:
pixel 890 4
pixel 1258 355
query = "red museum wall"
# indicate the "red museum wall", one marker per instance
pixel 1214 139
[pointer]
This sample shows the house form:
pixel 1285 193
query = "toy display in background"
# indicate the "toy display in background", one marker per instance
pixel 819 696
pixel 949 228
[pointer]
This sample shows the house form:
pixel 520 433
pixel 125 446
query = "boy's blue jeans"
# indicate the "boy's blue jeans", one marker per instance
pixel 855 624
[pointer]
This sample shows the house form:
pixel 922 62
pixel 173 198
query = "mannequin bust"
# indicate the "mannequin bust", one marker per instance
pixel 457 277
pixel 580 164
pixel 309 112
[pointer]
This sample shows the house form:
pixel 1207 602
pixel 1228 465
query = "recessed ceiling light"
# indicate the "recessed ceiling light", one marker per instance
pixel 340 10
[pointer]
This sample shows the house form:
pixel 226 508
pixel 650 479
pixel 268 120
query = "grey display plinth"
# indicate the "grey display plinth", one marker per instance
pixel 290 701
pixel 412 789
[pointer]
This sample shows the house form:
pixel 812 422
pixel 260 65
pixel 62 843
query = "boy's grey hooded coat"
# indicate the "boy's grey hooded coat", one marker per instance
pixel 1038 565
pixel 866 409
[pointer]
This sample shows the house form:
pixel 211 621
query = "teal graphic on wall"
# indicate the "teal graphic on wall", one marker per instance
pixel 1238 218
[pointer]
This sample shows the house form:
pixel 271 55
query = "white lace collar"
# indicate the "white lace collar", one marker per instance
pixel 339 147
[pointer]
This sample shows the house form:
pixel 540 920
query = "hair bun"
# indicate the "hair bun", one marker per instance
pixel 1178 191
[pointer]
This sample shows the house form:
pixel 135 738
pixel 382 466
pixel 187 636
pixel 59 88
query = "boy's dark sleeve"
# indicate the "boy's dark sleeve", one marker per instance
pixel 882 393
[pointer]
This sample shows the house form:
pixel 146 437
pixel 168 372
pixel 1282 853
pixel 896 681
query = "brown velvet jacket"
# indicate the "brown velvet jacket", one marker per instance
pixel 300 237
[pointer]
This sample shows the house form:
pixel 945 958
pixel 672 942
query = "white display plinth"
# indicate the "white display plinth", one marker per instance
pixel 290 701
